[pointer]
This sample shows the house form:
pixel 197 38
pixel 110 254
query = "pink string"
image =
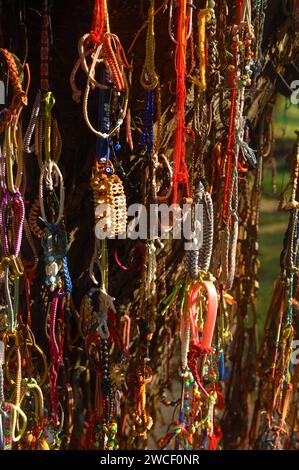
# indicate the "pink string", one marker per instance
pixel 211 314
pixel 133 269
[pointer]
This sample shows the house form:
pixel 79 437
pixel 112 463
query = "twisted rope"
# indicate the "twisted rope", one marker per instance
pixel 200 258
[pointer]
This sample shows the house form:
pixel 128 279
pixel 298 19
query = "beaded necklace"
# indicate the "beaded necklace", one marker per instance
pixel 12 270
pixel 47 147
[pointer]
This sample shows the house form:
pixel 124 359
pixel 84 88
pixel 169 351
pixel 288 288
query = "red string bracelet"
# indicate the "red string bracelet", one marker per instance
pixel 180 171
pixel 98 22
pixel 239 8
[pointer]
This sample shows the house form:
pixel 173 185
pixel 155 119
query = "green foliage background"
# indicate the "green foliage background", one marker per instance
pixel 273 223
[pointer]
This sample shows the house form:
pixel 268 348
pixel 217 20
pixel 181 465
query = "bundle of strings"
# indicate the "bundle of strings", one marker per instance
pixel 199 257
pixel 230 154
pixel 177 431
pixel 98 22
pixel 180 173
pixel 231 141
pixel 19 98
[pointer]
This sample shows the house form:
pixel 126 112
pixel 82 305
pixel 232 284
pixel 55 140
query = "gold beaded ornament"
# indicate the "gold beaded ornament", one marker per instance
pixel 109 201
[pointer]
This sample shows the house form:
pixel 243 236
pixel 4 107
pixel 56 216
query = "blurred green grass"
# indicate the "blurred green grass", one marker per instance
pixel 286 118
pixel 271 232
pixel 273 223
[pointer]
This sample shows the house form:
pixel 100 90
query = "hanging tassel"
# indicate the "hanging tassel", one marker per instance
pixel 247 153
pixel 212 442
